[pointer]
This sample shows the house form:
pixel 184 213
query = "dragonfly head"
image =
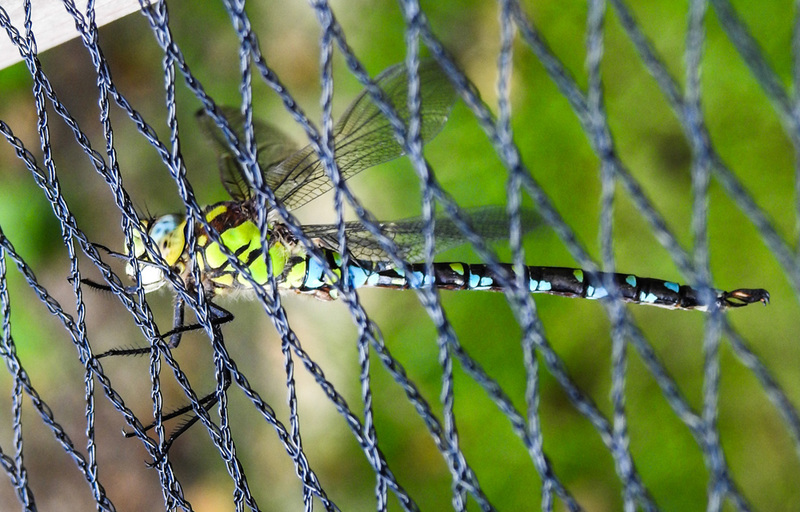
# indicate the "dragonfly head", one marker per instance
pixel 167 234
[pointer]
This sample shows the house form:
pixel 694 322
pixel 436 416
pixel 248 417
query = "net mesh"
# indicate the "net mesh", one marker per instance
pixel 527 414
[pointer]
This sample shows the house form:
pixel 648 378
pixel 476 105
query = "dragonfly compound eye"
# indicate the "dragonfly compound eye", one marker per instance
pixel 167 233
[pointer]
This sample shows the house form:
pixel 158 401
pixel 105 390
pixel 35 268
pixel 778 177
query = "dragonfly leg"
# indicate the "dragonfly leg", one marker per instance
pixel 94 285
pixel 207 402
pixel 220 316
pixel 177 323
pixel 136 351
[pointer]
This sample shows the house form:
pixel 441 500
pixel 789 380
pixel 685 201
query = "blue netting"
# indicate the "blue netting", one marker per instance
pixel 540 365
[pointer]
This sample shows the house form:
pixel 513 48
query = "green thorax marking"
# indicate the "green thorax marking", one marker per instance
pixel 239 233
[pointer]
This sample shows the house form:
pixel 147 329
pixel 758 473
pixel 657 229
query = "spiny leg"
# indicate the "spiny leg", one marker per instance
pixel 137 351
pixel 220 316
pixel 206 402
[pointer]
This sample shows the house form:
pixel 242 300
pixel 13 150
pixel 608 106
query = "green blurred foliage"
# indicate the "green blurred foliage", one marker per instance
pixel 744 129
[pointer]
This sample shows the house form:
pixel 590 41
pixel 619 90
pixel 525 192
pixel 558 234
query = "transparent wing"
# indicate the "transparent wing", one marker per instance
pixel 273 145
pixel 490 222
pixel 364 137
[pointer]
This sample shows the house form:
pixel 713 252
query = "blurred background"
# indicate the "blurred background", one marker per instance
pixel 744 128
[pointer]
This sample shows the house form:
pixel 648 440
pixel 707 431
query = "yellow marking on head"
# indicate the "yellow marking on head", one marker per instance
pixel 139 252
pixel 173 245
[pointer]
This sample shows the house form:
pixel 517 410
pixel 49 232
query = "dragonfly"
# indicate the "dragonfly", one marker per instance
pixel 362 138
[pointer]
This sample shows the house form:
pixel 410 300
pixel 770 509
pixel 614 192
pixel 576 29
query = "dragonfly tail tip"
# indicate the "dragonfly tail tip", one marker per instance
pixel 745 296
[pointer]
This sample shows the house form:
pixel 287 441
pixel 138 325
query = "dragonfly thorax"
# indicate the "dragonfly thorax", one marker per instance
pixel 236 234
pixel 235 222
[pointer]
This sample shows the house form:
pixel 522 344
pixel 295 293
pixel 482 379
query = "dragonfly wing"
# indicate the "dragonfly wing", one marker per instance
pixel 273 147
pixel 489 222
pixel 360 242
pixel 364 137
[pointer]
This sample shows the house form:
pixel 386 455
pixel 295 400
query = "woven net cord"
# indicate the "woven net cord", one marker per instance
pixel 650 137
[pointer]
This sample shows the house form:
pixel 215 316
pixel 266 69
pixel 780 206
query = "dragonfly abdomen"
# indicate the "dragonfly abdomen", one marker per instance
pixel 563 281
